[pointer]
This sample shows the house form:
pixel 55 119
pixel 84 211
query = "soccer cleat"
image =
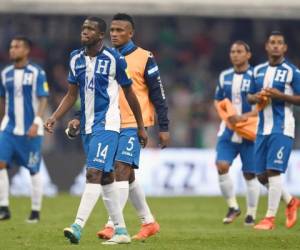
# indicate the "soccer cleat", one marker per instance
pixel 34 217
pixel 106 233
pixel 249 221
pixel 268 223
pixel 231 215
pixel 291 212
pixel 4 213
pixel 73 233
pixel 120 237
pixel 146 231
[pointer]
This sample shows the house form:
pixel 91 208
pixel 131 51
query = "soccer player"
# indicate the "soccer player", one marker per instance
pixel 234 84
pixel 149 90
pixel 279 81
pixel 23 95
pixel 96 71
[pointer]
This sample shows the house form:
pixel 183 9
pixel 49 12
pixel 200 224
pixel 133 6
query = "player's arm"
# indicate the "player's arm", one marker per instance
pixel 65 105
pixel 136 109
pixel 2 108
pixel 278 95
pixel 158 98
pixel 2 100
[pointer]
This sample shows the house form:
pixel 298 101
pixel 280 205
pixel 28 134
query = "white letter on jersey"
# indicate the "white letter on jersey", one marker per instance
pixel 246 85
pixel 102 67
pixel 27 78
pixel 280 75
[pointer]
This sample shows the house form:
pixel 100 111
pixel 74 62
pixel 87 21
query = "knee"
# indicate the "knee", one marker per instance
pixel 93 176
pixel 263 179
pixel 223 167
pixel 132 176
pixel 107 178
pixel 272 173
pixel 249 176
pixel 2 165
pixel 123 171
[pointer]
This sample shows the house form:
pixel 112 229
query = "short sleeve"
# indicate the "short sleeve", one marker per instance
pixel 42 84
pixel 296 82
pixel 122 74
pixel 219 93
pixel 2 89
pixel 252 89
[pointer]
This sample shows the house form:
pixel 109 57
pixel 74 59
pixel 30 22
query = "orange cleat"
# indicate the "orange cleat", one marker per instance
pixel 146 231
pixel 106 233
pixel 291 212
pixel 268 223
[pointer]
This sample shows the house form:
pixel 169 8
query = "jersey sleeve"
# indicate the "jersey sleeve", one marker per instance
pixel 252 89
pixel 71 75
pixel 122 74
pixel 2 89
pixel 42 84
pixel 296 82
pixel 157 93
pixel 219 93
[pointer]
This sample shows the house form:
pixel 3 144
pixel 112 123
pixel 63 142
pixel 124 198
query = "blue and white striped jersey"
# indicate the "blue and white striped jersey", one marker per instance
pixel 234 86
pixel 98 79
pixel 21 89
pixel 277 117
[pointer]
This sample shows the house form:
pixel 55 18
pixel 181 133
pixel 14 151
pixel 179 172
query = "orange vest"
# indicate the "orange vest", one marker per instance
pixel 136 64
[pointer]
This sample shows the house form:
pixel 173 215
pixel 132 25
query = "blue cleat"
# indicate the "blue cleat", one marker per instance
pixel 120 237
pixel 73 233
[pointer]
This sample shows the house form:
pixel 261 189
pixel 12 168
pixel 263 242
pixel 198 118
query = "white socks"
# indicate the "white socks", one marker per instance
pixel 112 204
pixel 4 188
pixel 274 195
pixel 138 199
pixel 123 189
pixel 36 191
pixel 286 196
pixel 252 196
pixel 88 201
pixel 227 190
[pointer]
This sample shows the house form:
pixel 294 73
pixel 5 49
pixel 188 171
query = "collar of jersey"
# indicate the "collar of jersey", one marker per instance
pixel 127 48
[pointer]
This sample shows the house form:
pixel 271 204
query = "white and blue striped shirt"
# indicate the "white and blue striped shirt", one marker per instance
pixel 277 117
pixel 21 88
pixel 98 79
pixel 234 86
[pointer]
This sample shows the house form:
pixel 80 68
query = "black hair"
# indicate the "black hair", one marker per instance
pixel 241 42
pixel 24 39
pixel 101 23
pixel 124 17
pixel 276 33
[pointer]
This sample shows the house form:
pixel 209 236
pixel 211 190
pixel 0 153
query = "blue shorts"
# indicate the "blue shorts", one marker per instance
pixel 272 152
pixel 129 147
pixel 100 150
pixel 22 150
pixel 227 151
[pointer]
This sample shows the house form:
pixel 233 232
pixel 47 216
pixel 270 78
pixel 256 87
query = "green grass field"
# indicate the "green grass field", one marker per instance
pixel 186 223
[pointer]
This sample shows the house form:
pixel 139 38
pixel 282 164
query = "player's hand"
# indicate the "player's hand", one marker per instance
pixel 49 124
pixel 73 128
pixel 164 139
pixel 273 93
pixel 143 137
pixel 33 130
pixel 234 119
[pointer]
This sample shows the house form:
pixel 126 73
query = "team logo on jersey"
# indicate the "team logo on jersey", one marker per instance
pixel 27 78
pixel 246 85
pixel 102 67
pixel 280 75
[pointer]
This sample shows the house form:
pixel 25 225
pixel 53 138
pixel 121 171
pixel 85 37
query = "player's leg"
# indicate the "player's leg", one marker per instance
pixel 90 194
pixel 6 152
pixel 149 226
pixel 28 154
pixel 252 184
pixel 279 150
pixel 226 152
